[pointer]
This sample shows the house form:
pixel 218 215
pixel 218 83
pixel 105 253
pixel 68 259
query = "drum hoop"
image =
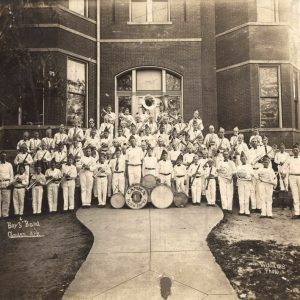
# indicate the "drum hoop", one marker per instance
pixel 159 185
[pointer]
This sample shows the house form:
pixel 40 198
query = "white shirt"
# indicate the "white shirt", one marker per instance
pixel 134 156
pixel 180 171
pixel 55 173
pixel 267 150
pixel 87 161
pixel 69 170
pixel 223 144
pixel 281 158
pixel 34 144
pixel 157 151
pixel 24 178
pixel 188 158
pixel 122 164
pixel 211 140
pixel 165 167
pixel 150 163
pixel 293 165
pixel 105 169
pixel 180 126
pixel 195 168
pixel 76 132
pixel 199 123
pixel 20 158
pixel 6 171
pixel 21 142
pixel 60 138
pixel 226 169
pixel 42 154
pixel 49 142
pixel 60 157
pixel 244 172
pixel 173 155
pixel 76 151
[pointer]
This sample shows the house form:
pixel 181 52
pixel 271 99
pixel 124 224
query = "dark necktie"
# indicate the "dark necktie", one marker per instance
pixel 266 149
pixel 117 165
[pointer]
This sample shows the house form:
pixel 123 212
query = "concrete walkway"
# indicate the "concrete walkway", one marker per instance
pixel 133 248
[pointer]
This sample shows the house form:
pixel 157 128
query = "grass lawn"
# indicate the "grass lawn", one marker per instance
pixel 41 268
pixel 260 257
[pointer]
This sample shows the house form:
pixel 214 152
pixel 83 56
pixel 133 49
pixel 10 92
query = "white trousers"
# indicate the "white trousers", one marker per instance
pixel 4 202
pixel 180 187
pixel 196 190
pixel 102 190
pixel 18 200
pixel 37 198
pixel 86 183
pixel 254 195
pixel 165 179
pixel 68 187
pixel 52 190
pixel 95 189
pixel 211 191
pixel 118 183
pixel 295 188
pixel 134 174
pixel 226 191
pixel 244 189
pixel 265 194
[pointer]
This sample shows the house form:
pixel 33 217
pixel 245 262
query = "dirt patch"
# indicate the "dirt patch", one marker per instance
pixel 41 268
pixel 260 257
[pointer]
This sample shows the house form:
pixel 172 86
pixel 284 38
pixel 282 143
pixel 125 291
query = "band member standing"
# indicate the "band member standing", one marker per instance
pixel 180 127
pixel 60 156
pixel 165 169
pixel 76 150
pixel 6 178
pixel 152 125
pixel 174 152
pixel 195 172
pixel 149 163
pixel 117 166
pixel 49 140
pixel 53 176
pixel 281 159
pixel 144 115
pixel 226 169
pixel 133 132
pixel 35 143
pixel 93 139
pixel 25 140
pixel 255 134
pixel 194 132
pixel 234 138
pixel 267 181
pixel 197 119
pixel 148 137
pixel 87 166
pixel 92 127
pixel 38 180
pixel 188 157
pixel 266 149
pixel 24 158
pixel 240 148
pixel 102 170
pixel 69 173
pixel 134 159
pixel 43 156
pixel 244 174
pixel 161 135
pixel 180 175
pixel 61 137
pixel 75 132
pixel 108 127
pixel 223 143
pixel 211 140
pixel 20 183
pixel 292 171
pixel 111 115
pixel 157 151
pixel 210 175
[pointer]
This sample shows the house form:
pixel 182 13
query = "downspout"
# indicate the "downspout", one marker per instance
pixel 98 64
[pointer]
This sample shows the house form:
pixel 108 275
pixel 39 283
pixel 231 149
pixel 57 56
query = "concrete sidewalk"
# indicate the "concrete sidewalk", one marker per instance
pixel 134 248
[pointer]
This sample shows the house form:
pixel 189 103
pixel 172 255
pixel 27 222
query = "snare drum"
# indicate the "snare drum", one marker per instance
pixel 149 181
pixel 162 196
pixel 136 196
pixel 180 199
pixel 117 200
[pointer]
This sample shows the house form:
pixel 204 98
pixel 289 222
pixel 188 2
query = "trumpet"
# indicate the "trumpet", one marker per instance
pixel 100 170
pixel 105 113
pixel 30 186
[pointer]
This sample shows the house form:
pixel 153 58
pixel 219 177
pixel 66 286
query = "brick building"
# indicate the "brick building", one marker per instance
pixel 236 61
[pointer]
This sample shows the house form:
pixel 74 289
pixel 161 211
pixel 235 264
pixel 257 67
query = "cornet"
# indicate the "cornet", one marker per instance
pixel 30 186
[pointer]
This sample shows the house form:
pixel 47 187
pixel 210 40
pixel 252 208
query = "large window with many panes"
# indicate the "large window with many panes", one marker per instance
pixel 269 96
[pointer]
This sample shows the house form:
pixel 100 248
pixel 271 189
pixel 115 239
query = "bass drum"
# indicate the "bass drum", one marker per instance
pixel 136 197
pixel 180 199
pixel 117 200
pixel 162 196
pixel 149 181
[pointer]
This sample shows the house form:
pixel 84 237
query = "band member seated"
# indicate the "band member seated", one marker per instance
pixel 60 155
pixel 255 134
pixel 210 175
pixel 61 137
pixel 226 170
pixel 35 143
pixel 195 172
pixel 20 183
pixel 53 176
pixel 75 132
pixel 165 169
pixel 69 173
pixel 24 158
pixel 102 171
pixel 37 182
pixel 43 156
pixel 86 166
pixel 49 140
pixel 267 181
pixel 25 139
pixel 244 173
pixel 92 126
pixel 180 176
pixel 134 159
pixel 292 171
pixel 281 159
pixel 150 163
pixel 6 178
pixel 117 166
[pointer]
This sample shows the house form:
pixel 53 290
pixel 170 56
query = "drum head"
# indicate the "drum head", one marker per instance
pixel 117 200
pixel 162 196
pixel 149 181
pixel 180 199
pixel 136 197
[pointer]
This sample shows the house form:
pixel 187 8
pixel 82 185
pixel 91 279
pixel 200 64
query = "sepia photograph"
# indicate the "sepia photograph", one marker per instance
pixel 149 149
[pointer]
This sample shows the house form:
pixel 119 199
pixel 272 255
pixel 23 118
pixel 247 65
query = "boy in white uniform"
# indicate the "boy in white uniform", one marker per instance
pixel 117 166
pixel 20 183
pixel 180 175
pixel 195 171
pixel 24 158
pixel 150 163
pixel 244 174
pixel 38 189
pixel 53 176
pixel 210 174
pixel 69 173
pixel 281 159
pixel 101 173
pixel 165 169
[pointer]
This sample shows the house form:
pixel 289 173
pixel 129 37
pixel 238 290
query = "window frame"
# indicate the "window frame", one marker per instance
pixel 276 12
pixel 149 14
pixel 86 95
pixel 279 93
pixel 86 8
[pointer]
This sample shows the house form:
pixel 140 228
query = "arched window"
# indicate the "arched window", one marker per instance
pixel 153 88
